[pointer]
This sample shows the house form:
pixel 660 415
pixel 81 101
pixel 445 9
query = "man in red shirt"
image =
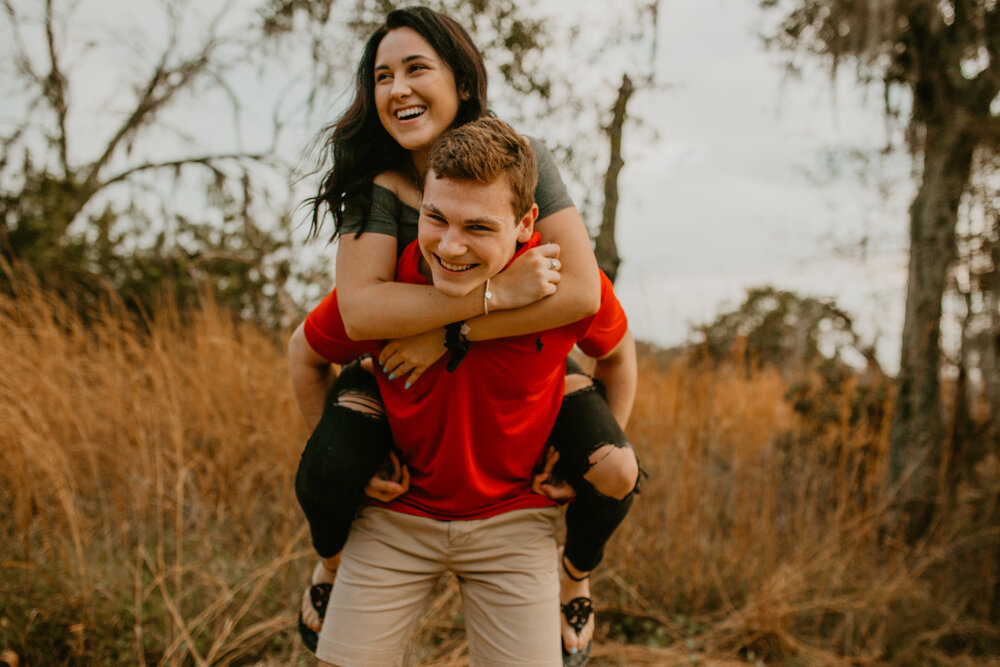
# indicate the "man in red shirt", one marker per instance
pixel 471 430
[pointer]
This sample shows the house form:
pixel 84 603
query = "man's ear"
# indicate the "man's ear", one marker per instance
pixel 527 224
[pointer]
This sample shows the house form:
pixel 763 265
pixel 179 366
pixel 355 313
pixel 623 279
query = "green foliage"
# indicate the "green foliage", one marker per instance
pixel 35 232
pixel 278 16
pixel 782 328
pixel 244 265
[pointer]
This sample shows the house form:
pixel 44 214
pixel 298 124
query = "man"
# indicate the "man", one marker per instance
pixel 471 431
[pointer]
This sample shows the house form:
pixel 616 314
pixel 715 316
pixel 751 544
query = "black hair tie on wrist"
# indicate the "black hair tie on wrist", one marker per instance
pixel 457 343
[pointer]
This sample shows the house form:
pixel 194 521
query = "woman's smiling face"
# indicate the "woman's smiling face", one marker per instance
pixel 415 92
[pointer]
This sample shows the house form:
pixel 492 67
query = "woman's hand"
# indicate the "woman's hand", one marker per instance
pixel 390 482
pixel 409 357
pixel 544 484
pixel 531 277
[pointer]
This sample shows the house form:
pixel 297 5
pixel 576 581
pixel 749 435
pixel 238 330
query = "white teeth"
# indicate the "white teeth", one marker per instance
pixel 410 112
pixel 455 267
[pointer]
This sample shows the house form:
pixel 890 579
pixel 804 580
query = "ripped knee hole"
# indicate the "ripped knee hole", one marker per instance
pixel 576 383
pixel 361 402
pixel 613 470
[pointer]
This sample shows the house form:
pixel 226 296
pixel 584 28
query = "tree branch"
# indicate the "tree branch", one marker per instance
pixel 7 143
pixel 965 18
pixel 987 82
pixel 991 25
pixel 203 160
pixel 55 89
pixel 23 61
pixel 161 87
pixel 157 93
pixel 991 133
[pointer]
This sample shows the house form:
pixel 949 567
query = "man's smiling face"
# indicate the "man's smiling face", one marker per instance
pixel 468 231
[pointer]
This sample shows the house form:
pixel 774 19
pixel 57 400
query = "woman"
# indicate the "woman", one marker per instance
pixel 420 74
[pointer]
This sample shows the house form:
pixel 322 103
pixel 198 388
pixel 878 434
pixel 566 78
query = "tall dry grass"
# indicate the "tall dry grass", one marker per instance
pixel 764 530
pixel 146 474
pixel 146 471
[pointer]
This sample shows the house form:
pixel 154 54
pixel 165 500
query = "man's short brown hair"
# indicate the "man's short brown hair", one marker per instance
pixel 483 150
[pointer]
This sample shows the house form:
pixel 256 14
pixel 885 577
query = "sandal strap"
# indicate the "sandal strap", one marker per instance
pixel 570 574
pixel 577 612
pixel 319 595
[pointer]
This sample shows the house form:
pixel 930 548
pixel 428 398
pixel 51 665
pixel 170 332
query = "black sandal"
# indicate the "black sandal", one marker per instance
pixel 577 613
pixel 319 596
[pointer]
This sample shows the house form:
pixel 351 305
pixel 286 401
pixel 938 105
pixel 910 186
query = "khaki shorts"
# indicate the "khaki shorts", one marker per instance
pixel 506 569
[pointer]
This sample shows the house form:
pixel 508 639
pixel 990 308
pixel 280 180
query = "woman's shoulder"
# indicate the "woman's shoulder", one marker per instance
pixel 550 191
pixel 400 186
pixel 543 157
pixel 537 145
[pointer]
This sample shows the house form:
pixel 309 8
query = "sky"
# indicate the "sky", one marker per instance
pixel 738 177
pixel 756 180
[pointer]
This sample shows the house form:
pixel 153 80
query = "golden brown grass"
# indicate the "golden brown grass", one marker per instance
pixel 148 478
pixel 146 473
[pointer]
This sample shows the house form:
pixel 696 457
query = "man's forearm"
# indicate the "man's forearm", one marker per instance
pixel 311 377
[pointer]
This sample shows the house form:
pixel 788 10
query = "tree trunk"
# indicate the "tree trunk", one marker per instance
pixel 917 434
pixel 962 454
pixel 605 247
pixel 990 350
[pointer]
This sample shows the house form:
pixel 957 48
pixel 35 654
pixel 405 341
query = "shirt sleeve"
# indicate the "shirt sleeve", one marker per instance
pixel 607 327
pixel 550 193
pixel 383 215
pixel 325 332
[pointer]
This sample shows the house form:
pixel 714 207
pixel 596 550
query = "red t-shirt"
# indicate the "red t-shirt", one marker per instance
pixel 472 438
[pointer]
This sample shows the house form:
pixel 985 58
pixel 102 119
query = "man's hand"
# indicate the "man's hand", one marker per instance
pixel 389 483
pixel 544 484
pixel 534 275
pixel 409 357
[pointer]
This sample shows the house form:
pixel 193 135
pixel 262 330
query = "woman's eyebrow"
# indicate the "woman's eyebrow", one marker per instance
pixel 407 59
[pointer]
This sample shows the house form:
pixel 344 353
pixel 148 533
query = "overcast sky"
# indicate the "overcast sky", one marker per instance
pixel 752 182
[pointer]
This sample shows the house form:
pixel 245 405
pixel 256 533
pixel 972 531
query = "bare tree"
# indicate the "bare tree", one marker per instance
pixel 945 57
pixel 93 191
pixel 620 57
pixel 605 246
pixel 177 71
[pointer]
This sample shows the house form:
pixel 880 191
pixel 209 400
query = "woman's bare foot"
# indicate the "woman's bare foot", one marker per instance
pixel 571 588
pixel 325 572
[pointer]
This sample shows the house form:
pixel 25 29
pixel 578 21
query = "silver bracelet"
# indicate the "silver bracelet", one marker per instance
pixel 487 295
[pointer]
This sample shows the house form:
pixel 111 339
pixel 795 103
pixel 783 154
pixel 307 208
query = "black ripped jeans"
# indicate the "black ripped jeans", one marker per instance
pixel 348 447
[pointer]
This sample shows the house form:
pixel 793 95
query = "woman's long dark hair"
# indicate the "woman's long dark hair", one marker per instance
pixel 359 145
